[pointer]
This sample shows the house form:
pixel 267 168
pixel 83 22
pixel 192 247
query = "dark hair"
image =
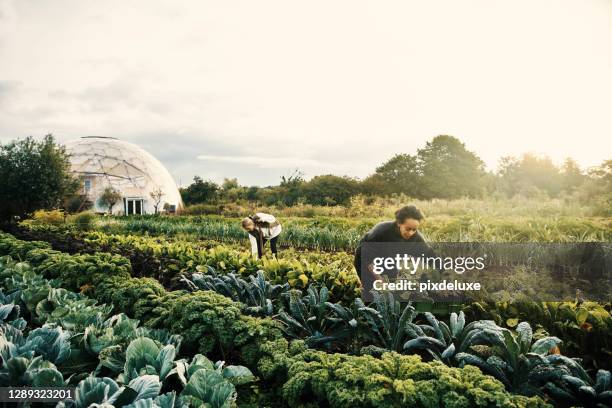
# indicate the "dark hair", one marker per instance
pixel 409 211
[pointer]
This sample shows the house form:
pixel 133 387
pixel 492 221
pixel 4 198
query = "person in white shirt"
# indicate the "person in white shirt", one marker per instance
pixel 262 228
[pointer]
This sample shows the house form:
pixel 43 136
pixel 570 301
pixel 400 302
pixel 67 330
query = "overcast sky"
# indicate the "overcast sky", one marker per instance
pixel 254 89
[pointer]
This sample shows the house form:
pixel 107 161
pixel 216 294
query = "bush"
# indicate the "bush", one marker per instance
pixel 203 209
pixel 77 203
pixel 50 217
pixel 83 221
pixel 34 175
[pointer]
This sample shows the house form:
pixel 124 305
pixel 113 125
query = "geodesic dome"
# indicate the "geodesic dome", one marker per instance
pixel 103 162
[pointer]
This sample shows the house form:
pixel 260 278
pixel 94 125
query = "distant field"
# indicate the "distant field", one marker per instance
pixel 340 229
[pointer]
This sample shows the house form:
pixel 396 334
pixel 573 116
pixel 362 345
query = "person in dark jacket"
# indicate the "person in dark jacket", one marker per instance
pixel 403 229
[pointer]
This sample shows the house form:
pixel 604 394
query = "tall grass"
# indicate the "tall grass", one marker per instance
pixel 376 207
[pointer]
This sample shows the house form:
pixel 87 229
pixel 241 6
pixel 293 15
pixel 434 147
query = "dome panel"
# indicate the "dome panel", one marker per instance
pixel 125 167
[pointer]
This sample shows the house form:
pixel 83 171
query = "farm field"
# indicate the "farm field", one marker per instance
pixel 192 277
pixel 340 228
pixel 342 234
pixel 305 204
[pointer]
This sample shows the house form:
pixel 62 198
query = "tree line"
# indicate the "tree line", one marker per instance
pixel 36 175
pixel 444 168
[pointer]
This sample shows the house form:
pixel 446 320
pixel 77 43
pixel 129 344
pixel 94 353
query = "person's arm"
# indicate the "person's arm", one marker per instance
pixel 425 247
pixel 366 276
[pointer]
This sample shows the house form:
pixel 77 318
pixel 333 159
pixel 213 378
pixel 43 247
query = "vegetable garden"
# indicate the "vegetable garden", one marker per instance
pixel 173 312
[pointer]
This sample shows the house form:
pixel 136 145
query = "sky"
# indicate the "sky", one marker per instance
pixel 256 89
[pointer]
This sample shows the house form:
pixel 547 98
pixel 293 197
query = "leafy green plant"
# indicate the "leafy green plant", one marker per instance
pixel 528 367
pixel 70 310
pixel 444 341
pixel 388 320
pixel 143 356
pixel 83 221
pixel 208 383
pixel 258 294
pixel 305 377
pixel 308 317
pixel 585 327
pixel 40 359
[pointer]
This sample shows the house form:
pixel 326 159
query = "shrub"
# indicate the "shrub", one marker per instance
pixel 83 221
pixel 34 175
pixel 48 217
pixel 203 209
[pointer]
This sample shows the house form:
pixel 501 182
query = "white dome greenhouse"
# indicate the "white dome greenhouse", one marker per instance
pixel 103 162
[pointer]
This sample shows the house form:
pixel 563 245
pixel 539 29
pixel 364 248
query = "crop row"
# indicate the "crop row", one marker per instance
pixel 586 328
pixel 342 234
pixel 166 260
pixel 528 368
pixel 214 325
pixel 52 337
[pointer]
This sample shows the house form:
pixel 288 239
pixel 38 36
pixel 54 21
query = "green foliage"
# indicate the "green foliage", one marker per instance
pixel 35 175
pixel 18 249
pixel 343 234
pixel 212 323
pixel 77 203
pixel 399 175
pixel 199 191
pixel 308 317
pixel 49 217
pixel 449 170
pixel 530 174
pixel 258 294
pixel 444 168
pixel 313 378
pixel 597 190
pixel 586 328
pixel 330 190
pixel 388 320
pixel 83 221
pixel 143 358
pixel 167 260
pixel 109 198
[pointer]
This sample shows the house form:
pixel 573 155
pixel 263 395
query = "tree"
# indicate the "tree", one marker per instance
pixel 199 191
pixel 229 183
pixel 529 175
pixel 231 190
pixel 597 190
pixel 252 193
pixel 399 174
pixel 449 170
pixel 34 175
pixel 289 191
pixel 109 198
pixel 156 196
pixel 374 185
pixel 77 203
pixel 330 190
pixel 571 175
